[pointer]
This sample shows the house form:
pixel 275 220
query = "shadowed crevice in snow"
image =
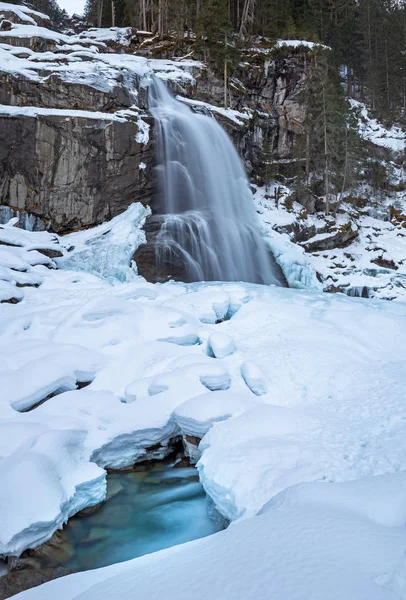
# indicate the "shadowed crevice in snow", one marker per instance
pixel 79 385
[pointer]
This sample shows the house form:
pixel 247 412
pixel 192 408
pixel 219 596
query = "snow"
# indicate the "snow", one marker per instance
pixel 51 464
pixel 299 548
pixel 142 137
pixel 55 369
pixel 23 12
pixel 298 44
pixel 370 129
pixel 121 35
pixel 235 116
pixel 220 345
pixel 298 391
pixel 175 70
pixel 32 31
pixel 84 59
pixel 196 416
pixel 107 250
pixel 35 111
pixel 9 292
pixel 297 398
pixel 354 269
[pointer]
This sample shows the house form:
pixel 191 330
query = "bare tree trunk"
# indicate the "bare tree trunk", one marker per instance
pixel 161 18
pixel 144 14
pixel 99 13
pixel 326 157
pixel 113 14
pixel 387 74
pixel 225 74
pixel 343 187
pixel 248 14
pixel 307 155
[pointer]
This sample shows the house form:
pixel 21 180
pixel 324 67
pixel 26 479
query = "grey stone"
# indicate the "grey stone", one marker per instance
pixel 72 172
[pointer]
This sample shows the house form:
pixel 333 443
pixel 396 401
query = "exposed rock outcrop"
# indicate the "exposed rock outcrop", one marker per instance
pixel 72 172
pixel 271 89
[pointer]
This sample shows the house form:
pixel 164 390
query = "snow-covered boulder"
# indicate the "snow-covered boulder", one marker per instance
pixel 196 416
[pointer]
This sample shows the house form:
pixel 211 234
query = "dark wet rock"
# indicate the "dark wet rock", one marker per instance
pixel 193 440
pixel 89 510
pixel 341 238
pixel 11 301
pixel 6 25
pixel 96 535
pixel 271 89
pixel 56 549
pixel 114 487
pixel 26 578
pixel 120 515
pixel 50 252
pixel 385 263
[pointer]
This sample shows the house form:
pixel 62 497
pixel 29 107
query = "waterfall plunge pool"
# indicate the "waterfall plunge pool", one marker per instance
pixel 151 508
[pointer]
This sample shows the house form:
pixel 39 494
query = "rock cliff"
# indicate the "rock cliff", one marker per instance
pixel 76 139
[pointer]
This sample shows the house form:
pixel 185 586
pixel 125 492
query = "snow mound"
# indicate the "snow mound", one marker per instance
pixel 64 482
pixel 220 345
pixel 299 44
pixel 380 499
pixel 196 416
pixel 56 368
pixel 20 253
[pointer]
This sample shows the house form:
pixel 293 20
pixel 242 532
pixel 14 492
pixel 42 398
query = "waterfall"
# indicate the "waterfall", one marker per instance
pixel 208 222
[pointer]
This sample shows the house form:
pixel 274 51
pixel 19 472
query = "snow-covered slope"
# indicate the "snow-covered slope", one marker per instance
pixel 283 385
pixel 360 252
pixel 315 541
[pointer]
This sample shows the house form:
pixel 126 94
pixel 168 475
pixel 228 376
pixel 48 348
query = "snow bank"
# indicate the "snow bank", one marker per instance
pixel 20 253
pixel 371 265
pixel 35 111
pixel 120 35
pixel 304 549
pixel 44 482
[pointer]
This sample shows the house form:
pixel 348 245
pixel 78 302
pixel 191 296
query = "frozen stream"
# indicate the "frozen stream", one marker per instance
pixel 149 509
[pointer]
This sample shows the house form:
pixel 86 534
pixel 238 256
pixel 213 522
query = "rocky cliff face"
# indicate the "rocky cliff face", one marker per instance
pixel 79 151
pixel 72 172
pixel 269 89
pixel 75 143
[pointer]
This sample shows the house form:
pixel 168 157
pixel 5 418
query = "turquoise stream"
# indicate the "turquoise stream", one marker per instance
pixel 149 509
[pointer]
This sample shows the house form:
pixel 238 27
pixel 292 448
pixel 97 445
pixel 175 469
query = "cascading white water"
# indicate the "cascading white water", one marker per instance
pixel 208 219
